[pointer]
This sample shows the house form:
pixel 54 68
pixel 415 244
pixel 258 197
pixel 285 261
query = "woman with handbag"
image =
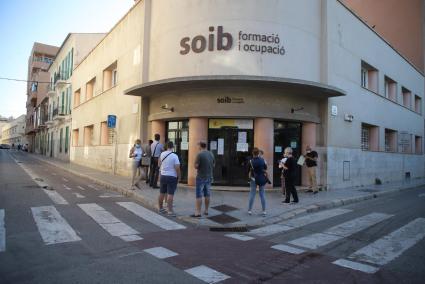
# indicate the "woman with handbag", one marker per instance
pixel 136 153
pixel 257 178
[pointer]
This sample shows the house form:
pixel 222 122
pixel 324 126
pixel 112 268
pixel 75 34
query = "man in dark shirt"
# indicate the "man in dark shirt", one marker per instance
pixel 311 163
pixel 204 163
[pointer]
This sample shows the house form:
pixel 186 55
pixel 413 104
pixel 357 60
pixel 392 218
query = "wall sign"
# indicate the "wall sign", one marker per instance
pixel 229 100
pixel 262 43
pixel 112 121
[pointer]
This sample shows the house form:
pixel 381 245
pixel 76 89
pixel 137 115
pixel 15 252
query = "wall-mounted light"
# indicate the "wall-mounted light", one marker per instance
pixel 296 109
pixel 166 107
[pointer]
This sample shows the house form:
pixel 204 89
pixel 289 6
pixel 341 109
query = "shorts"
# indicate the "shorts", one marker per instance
pixel 203 187
pixel 167 184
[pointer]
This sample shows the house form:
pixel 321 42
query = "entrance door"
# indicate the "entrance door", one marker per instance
pixel 286 134
pixel 231 143
pixel 178 133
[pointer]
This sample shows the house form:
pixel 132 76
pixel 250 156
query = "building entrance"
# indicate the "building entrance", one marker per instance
pixel 286 134
pixel 231 142
pixel 178 133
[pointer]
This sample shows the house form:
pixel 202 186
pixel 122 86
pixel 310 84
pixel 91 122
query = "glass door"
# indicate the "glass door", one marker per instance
pixel 286 134
pixel 178 133
pixel 231 142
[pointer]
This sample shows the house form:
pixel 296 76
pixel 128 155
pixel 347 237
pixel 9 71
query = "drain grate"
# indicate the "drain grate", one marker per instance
pixel 225 208
pixel 223 219
pixel 228 229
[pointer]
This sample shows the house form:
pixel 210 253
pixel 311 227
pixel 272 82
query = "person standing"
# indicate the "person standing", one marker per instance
pixel 156 149
pixel 146 159
pixel 136 153
pixel 289 173
pixel 311 163
pixel 170 174
pixel 282 178
pixel 257 178
pixel 204 163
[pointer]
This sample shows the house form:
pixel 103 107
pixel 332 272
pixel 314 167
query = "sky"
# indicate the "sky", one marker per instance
pixel 23 22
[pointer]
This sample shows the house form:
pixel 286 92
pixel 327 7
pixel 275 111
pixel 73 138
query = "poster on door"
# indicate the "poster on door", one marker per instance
pixel 241 137
pixel 184 136
pixel 213 145
pixel 242 147
pixel 220 146
pixel 184 146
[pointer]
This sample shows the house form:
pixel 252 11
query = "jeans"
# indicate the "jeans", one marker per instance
pixel 154 173
pixel 203 187
pixel 252 193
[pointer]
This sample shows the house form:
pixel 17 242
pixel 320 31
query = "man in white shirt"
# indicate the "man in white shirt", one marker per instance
pixel 170 174
pixel 156 149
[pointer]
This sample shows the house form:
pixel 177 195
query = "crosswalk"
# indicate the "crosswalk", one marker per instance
pixel 368 259
pixel 53 228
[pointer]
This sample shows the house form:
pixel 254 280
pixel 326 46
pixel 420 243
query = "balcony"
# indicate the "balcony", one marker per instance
pixel 59 80
pixel 51 92
pixel 33 97
pixel 58 115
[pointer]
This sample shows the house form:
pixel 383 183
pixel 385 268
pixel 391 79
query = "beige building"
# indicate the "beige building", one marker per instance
pixel 13 132
pixel 58 115
pixel 239 74
pixel 42 55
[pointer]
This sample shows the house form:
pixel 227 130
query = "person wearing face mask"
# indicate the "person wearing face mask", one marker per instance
pixel 289 173
pixel 136 153
pixel 311 163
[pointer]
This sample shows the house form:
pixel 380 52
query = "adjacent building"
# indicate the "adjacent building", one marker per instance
pixel 239 74
pixel 13 132
pixel 42 55
pixel 59 104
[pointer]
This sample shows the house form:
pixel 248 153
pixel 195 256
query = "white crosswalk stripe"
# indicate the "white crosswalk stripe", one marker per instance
pixel 52 227
pixel 340 231
pixel 78 195
pixel 240 237
pixel 298 222
pixel 2 232
pixel 161 252
pixel 80 187
pixel 110 223
pixel 151 217
pixel 207 274
pixel 391 246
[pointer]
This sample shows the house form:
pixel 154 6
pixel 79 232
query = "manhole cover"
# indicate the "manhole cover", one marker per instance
pixel 224 208
pixel 38 179
pixel 223 219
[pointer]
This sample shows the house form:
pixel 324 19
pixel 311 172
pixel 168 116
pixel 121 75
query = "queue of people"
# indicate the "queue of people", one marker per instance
pixel 154 161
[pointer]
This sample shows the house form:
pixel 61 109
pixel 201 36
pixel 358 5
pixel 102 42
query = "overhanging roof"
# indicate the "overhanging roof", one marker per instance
pixel 294 86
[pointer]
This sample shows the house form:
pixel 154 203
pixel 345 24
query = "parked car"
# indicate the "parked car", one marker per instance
pixel 4 146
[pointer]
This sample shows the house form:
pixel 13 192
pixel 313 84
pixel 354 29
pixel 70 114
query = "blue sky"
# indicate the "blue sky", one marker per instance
pixel 22 22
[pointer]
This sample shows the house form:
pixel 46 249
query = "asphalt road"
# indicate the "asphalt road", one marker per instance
pixel 80 232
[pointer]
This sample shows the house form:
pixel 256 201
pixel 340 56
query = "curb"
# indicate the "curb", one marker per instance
pixel 272 220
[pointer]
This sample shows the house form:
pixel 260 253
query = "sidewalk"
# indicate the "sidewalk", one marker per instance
pixel 229 208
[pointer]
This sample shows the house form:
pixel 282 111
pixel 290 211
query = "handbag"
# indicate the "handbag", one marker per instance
pixel 145 161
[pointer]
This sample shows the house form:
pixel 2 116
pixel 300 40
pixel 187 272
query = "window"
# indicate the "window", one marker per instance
pixel 60 140
pixel 369 77
pixel 75 137
pixel 90 88
pixel 418 104
pixel 72 60
pixel 66 139
pixel 405 142
pixel 369 137
pixel 406 97
pixel 104 133
pixel 390 89
pixel 418 144
pixel 88 135
pixel 77 95
pixel 62 109
pixel 390 140
pixel 110 76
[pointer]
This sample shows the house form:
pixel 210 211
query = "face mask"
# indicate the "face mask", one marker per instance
pixel 308 151
pixel 137 145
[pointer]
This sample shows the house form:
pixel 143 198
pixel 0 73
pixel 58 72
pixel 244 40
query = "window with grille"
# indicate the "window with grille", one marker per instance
pixel 365 138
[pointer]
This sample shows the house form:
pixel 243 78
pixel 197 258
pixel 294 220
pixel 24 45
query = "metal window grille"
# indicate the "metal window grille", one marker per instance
pixel 365 138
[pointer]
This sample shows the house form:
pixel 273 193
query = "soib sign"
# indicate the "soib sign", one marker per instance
pixel 224 41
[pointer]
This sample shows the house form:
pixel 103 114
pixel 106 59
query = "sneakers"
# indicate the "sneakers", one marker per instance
pixel 162 211
pixel 171 214
pixel 249 212
pixel 264 214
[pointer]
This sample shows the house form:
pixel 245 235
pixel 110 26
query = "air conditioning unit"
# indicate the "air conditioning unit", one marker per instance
pixel 348 117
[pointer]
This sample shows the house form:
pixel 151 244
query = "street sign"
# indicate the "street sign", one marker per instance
pixel 112 121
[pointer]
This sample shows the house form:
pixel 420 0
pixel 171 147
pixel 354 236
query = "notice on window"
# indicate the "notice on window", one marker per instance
pixel 293 144
pixel 213 145
pixel 242 147
pixel 184 146
pixel 220 146
pixel 241 137
pixel 278 149
pixel 184 136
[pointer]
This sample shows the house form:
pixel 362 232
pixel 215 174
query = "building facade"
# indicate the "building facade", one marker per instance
pixel 239 74
pixel 74 48
pixel 13 132
pixel 42 55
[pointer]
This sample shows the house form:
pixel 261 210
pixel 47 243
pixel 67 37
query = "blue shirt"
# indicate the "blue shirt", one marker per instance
pixel 258 166
pixel 156 150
